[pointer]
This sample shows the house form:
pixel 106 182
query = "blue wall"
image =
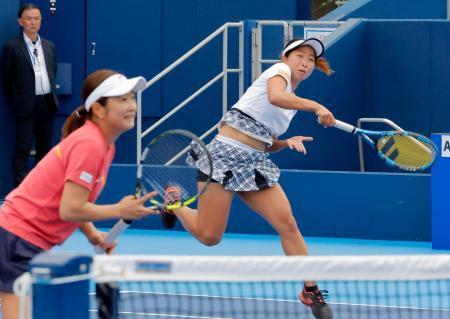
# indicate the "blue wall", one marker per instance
pixel 407 83
pixel 439 35
pixel 325 204
pixel 407 76
pixel 9 28
pixel 389 9
pixel 394 69
pixel 137 37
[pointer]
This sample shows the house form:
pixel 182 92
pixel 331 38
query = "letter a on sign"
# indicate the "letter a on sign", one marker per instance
pixel 445 150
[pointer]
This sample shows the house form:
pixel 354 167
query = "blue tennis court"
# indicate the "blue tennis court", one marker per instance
pixel 148 242
pixel 219 300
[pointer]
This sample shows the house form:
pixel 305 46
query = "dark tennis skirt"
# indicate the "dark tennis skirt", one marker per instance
pixel 15 254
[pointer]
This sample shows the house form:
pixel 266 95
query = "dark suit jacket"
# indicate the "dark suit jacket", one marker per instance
pixel 18 75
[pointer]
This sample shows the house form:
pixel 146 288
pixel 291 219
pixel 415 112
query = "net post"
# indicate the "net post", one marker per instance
pixel 67 299
pixel 107 295
pixel 440 208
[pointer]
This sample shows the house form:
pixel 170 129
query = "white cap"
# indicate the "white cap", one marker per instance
pixel 314 43
pixel 115 85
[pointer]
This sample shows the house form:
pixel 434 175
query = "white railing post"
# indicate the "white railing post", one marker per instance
pixel 448 9
pixel 138 127
pixel 241 60
pixel 225 71
pixel 224 75
pixel 258 43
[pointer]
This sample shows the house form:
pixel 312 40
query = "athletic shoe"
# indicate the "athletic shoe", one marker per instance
pixel 316 301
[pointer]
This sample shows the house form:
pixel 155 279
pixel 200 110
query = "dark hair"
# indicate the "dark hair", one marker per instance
pixel 27 6
pixel 321 63
pixel 80 115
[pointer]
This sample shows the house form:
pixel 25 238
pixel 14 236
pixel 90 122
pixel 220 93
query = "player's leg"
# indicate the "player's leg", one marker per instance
pixel 207 223
pixel 273 205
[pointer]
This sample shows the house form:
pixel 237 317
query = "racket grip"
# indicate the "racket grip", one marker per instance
pixel 115 232
pixel 344 127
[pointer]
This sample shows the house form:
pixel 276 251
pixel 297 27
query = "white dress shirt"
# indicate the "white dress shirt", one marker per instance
pixel 42 83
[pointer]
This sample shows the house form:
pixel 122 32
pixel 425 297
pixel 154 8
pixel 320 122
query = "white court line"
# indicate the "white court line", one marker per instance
pixel 147 314
pixel 279 300
pixel 384 306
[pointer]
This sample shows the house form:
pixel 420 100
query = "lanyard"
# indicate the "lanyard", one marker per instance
pixel 34 53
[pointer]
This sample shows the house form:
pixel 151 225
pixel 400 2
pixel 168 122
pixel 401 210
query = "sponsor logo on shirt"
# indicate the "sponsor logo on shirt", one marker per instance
pixel 86 177
pixel 58 151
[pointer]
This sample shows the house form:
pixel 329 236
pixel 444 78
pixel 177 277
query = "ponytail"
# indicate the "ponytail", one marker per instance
pixel 75 121
pixel 323 66
pixel 80 115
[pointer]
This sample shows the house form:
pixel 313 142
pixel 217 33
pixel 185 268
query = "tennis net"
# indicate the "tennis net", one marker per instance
pixel 409 287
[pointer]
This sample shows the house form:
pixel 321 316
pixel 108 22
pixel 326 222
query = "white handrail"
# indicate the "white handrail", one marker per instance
pixel 259 58
pixel 305 23
pixel 288 33
pixel 448 9
pixel 223 75
pixel 191 52
pixel 182 104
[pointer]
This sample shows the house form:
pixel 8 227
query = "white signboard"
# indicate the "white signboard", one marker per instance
pixel 317 32
pixel 445 146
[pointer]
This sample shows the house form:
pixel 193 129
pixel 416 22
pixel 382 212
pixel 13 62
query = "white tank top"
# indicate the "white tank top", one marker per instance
pixel 255 101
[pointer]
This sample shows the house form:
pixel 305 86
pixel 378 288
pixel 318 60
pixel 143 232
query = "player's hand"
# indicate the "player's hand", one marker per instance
pixel 131 207
pixel 296 143
pixel 97 237
pixel 325 117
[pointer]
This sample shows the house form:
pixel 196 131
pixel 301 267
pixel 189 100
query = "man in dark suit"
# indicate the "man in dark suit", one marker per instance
pixel 28 71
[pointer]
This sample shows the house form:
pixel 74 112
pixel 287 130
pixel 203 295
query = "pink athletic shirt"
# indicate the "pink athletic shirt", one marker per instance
pixel 31 211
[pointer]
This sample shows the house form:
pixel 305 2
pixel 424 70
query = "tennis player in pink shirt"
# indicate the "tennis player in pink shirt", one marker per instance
pixel 59 194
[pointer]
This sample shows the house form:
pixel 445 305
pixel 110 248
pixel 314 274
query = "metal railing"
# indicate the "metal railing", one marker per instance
pixel 339 3
pixel 222 75
pixel 448 9
pixel 288 33
pixel 360 143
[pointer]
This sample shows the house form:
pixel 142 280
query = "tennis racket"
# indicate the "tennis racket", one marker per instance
pixel 168 161
pixel 405 150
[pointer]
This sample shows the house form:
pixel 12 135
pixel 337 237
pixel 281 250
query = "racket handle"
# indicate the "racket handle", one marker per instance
pixel 118 229
pixel 344 127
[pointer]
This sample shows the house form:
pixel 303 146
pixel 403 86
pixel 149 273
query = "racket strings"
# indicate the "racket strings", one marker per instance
pixel 164 165
pixel 159 178
pixel 407 151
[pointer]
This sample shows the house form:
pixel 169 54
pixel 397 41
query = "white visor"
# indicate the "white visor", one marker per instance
pixel 314 43
pixel 115 85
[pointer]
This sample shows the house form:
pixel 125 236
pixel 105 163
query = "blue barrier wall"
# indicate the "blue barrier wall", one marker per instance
pixel 388 9
pixel 394 69
pixel 154 35
pixel 407 75
pixel 369 80
pixel 9 28
pixel 440 209
pixel 325 204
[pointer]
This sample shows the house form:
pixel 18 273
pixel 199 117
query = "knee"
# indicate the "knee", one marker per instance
pixel 210 239
pixel 288 225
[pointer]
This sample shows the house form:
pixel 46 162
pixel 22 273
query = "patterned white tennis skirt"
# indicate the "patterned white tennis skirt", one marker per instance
pixel 236 168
